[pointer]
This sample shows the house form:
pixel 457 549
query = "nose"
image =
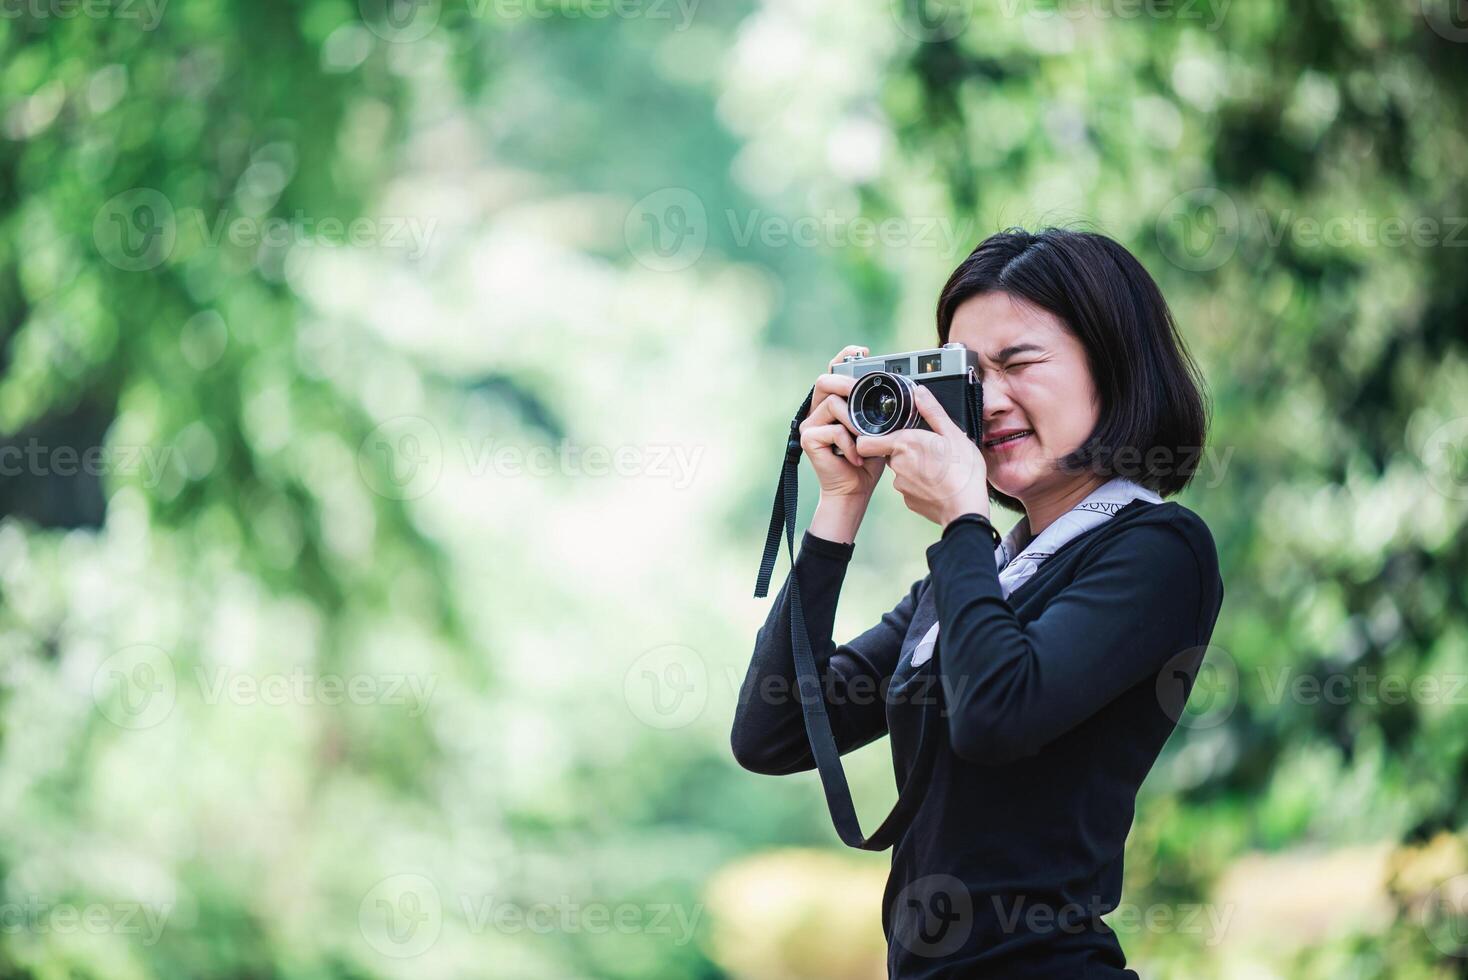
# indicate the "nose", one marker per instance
pixel 997 402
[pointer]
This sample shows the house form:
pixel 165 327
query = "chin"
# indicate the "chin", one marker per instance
pixel 1008 477
pixel 1007 488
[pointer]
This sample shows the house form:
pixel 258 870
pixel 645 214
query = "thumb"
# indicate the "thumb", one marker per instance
pixel 932 412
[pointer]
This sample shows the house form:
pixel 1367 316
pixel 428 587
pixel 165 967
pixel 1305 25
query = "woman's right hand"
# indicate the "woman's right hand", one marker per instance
pixel 826 429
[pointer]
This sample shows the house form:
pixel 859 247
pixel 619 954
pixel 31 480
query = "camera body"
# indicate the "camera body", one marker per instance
pixel 882 400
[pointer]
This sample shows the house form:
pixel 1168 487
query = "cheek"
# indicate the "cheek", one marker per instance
pixel 1037 398
pixel 1059 409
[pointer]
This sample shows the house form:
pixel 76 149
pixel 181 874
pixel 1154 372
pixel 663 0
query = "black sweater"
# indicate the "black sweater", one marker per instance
pixel 1045 711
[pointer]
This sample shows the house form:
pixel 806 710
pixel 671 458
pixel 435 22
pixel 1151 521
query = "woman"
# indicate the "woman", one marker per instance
pixel 1064 660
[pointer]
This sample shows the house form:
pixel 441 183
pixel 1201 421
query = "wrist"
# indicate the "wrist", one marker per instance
pixel 837 518
pixel 948 517
pixel 958 508
pixel 976 518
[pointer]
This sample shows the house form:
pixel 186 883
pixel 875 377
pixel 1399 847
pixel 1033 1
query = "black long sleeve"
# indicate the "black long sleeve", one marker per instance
pixel 769 735
pixel 1014 687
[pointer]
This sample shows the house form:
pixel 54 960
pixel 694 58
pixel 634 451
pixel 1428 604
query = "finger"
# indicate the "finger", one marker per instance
pixel 932 412
pixel 905 461
pixel 821 414
pixel 878 445
pixel 841 411
pixel 839 438
pixel 833 408
pixel 894 443
pixel 827 410
pixel 834 384
pixel 850 349
pixel 846 442
pixel 818 437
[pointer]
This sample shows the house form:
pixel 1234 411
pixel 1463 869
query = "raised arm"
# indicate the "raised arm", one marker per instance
pixel 1012 688
pixel 769 730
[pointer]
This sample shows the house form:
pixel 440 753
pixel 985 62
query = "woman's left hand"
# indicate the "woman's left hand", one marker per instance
pixel 940 474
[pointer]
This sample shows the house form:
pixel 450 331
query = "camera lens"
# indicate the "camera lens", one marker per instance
pixel 886 407
pixel 882 402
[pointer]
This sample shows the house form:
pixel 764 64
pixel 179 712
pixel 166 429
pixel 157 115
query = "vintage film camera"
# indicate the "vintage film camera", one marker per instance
pixel 882 399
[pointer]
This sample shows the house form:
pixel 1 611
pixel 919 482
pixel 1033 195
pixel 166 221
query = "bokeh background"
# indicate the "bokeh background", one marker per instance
pixel 392 396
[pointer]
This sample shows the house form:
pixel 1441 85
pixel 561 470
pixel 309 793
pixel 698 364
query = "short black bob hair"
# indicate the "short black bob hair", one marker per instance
pixel 1153 419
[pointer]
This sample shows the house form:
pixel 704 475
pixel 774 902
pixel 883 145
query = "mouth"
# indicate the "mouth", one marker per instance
pixel 1009 440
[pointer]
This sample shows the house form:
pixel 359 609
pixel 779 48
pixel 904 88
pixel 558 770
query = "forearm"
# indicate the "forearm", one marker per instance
pixel 983 648
pixel 769 728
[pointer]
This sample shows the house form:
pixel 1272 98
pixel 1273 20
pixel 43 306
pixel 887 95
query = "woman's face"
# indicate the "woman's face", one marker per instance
pixel 1036 378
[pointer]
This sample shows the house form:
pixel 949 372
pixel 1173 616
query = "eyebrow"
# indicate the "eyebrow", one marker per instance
pixel 1013 349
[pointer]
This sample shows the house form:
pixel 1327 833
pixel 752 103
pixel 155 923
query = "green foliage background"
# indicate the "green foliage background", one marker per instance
pixel 646 227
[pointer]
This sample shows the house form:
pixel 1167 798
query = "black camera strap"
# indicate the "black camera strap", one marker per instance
pixel 812 699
